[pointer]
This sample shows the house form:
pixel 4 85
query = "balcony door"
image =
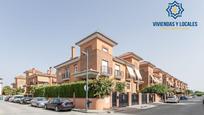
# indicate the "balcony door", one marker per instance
pixel 104 66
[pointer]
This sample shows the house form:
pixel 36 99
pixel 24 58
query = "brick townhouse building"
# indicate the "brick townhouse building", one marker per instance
pixel 19 81
pixel 124 68
pixel 35 77
pixel 128 67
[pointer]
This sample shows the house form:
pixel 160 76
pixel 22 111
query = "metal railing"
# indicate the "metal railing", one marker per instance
pixel 118 74
pixel 105 70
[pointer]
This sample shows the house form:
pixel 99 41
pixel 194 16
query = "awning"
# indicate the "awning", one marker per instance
pixel 138 74
pixel 131 72
pixel 153 78
pixel 158 80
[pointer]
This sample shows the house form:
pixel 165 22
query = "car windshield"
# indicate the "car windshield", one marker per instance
pixel 171 97
pixel 41 99
pixel 28 96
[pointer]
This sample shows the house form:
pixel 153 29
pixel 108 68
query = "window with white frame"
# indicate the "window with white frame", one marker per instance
pixel 117 70
pixel 75 68
pixel 67 73
pixel 104 66
pixel 105 49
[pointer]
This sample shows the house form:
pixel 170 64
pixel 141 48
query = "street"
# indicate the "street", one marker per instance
pixel 190 107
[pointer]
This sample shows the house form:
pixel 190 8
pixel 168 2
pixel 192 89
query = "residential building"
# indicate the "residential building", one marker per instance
pixel 128 68
pixel 147 72
pixel 20 81
pixel 124 68
pixel 35 77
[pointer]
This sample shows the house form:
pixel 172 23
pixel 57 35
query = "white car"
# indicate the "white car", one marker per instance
pixel 15 97
pixel 172 99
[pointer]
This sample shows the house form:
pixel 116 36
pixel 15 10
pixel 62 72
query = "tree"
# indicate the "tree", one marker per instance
pixel 120 87
pixel 158 88
pixel 7 90
pixel 189 92
pixel 101 87
pixel 198 93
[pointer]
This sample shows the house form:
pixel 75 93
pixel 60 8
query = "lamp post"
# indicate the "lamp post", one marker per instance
pixel 87 69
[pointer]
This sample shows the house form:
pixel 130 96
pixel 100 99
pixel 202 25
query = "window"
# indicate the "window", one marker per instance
pixel 104 66
pixel 67 73
pixel 117 70
pixel 75 68
pixel 104 49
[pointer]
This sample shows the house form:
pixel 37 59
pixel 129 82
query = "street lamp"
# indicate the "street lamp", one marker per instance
pixel 87 67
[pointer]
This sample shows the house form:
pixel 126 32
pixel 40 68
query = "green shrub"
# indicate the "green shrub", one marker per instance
pixel 158 88
pixel 63 90
pixel 120 87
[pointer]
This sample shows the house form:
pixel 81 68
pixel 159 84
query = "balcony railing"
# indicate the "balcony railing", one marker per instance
pixel 118 74
pixel 105 70
pixel 66 76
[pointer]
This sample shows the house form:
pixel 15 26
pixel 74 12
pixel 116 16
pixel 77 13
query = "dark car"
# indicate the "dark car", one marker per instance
pixel 59 104
pixel 203 101
pixel 183 98
pixel 26 99
pixel 7 98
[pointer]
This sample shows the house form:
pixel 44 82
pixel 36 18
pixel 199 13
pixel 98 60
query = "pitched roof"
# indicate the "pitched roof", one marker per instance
pixel 67 62
pixel 20 77
pixel 98 35
pixel 131 54
pixel 31 70
pixel 147 63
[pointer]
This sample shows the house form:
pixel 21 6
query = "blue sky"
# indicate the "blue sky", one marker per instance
pixel 39 33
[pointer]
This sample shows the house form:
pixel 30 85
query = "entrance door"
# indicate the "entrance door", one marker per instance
pixel 144 98
pixel 123 100
pixel 114 99
pixel 134 99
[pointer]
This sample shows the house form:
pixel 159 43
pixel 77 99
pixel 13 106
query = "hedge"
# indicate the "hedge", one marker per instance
pixel 64 90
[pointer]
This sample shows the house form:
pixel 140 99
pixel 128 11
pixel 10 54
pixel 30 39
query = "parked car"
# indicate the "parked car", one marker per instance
pixel 17 98
pixel 7 98
pixel 38 101
pixel 59 104
pixel 203 101
pixel 183 98
pixel 172 99
pixel 26 99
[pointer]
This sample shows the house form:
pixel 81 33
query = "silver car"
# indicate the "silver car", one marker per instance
pixel 172 99
pixel 38 101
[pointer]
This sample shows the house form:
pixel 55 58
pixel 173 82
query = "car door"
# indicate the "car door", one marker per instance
pixel 49 104
pixel 53 104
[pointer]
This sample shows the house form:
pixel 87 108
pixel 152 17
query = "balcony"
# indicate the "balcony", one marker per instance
pixel 66 76
pixel 106 71
pixel 118 74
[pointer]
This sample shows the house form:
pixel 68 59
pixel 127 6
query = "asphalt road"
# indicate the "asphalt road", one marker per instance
pixel 190 107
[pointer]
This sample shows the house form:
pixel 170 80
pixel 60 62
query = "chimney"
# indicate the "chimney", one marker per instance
pixel 33 70
pixel 50 70
pixel 73 52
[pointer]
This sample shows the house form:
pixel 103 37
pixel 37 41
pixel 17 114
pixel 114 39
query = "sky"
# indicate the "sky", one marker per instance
pixel 40 33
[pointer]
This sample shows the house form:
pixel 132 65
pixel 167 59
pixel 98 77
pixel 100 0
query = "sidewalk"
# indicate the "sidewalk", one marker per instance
pixel 93 111
pixel 139 107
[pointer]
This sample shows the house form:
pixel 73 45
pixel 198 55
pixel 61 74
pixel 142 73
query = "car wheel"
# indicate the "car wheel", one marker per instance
pixel 56 109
